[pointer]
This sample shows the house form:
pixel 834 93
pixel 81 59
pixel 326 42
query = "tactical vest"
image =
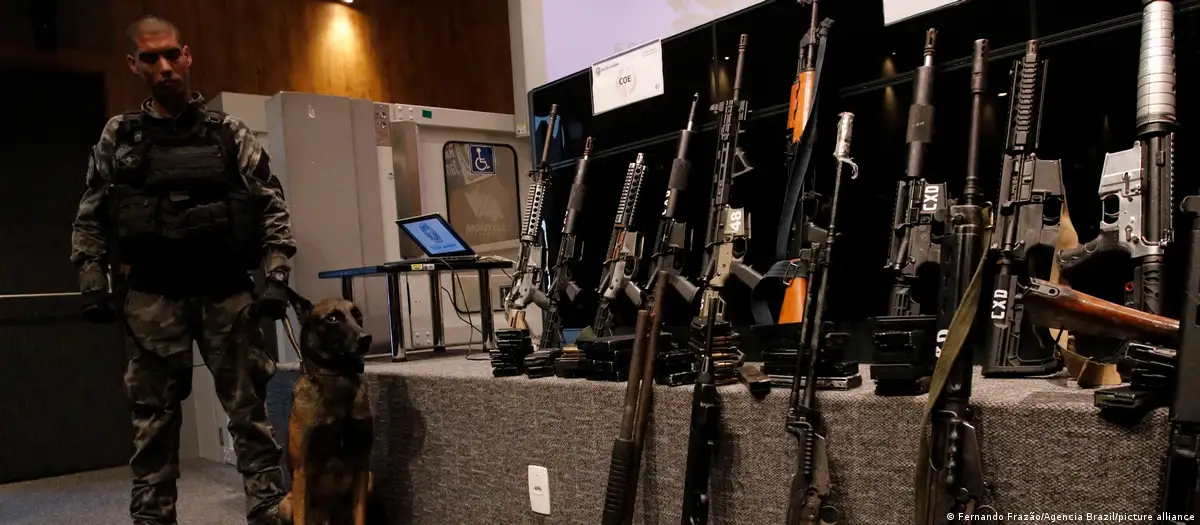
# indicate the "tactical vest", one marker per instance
pixel 176 189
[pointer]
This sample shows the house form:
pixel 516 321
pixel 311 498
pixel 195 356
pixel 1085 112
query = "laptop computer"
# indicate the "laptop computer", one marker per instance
pixel 435 237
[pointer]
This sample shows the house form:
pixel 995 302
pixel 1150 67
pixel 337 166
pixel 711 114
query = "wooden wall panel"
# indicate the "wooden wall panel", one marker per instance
pixel 449 53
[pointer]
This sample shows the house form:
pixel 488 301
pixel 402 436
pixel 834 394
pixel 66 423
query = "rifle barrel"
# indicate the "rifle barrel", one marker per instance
pixel 978 87
pixel 737 78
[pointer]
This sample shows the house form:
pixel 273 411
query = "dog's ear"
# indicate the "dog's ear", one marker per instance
pixel 302 306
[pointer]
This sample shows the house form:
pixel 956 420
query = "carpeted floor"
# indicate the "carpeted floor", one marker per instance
pixel 209 494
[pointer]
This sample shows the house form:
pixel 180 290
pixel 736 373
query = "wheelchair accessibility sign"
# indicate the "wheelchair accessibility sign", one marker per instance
pixel 483 159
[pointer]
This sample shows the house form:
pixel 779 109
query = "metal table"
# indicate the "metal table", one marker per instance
pixel 434 267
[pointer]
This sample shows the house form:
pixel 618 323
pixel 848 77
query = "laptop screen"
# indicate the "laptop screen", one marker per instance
pixel 434 237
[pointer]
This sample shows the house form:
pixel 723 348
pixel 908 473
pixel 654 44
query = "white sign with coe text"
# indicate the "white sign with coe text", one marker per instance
pixel 633 75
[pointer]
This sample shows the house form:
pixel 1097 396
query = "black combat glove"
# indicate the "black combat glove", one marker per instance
pixel 98 303
pixel 273 301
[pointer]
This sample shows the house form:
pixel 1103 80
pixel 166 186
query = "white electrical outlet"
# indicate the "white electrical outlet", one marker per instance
pixel 539 489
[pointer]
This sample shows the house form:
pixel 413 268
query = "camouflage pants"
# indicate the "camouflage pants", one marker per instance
pixel 159 377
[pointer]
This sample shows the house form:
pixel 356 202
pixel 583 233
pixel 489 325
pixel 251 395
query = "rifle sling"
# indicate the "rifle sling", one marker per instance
pixel 796 182
pixel 770 289
pixel 960 327
pixel 1087 372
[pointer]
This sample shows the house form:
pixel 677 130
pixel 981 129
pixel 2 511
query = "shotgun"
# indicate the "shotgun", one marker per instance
pixel 621 492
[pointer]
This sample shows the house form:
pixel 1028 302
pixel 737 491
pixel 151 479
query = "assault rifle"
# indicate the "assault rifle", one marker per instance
pixel 801 131
pixel 529 273
pixel 562 291
pixel 1135 184
pixel 624 255
pixel 807 501
pixel 1026 225
pixel 670 249
pixel 712 336
pixel 1181 482
pixel 904 338
pixel 953 475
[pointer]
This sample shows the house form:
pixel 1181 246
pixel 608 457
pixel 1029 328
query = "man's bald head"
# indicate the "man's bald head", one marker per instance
pixel 157 55
pixel 148 25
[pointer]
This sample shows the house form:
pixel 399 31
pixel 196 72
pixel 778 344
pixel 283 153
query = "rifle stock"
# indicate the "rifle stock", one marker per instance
pixel 1057 306
pixel 801 114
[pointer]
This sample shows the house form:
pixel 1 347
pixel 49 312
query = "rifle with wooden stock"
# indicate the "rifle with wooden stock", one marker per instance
pixel 801 134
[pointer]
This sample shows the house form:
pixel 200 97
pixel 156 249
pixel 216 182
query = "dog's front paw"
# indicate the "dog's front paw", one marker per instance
pixel 285 510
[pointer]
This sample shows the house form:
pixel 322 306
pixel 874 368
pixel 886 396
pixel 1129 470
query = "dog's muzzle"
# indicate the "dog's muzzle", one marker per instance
pixel 364 343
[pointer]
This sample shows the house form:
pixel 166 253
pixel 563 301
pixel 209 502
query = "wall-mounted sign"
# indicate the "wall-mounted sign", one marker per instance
pixel 633 75
pixel 898 10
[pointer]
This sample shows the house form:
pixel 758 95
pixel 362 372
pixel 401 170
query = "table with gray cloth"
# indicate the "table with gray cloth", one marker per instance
pixel 453 446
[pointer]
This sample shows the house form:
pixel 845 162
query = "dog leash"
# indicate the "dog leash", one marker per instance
pixel 291 335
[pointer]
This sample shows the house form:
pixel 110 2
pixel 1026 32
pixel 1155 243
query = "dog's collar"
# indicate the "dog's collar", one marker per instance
pixel 350 369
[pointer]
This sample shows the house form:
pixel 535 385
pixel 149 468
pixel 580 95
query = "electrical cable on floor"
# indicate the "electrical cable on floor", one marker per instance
pixel 454 303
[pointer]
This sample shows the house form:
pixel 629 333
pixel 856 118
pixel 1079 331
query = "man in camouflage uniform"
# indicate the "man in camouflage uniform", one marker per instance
pixel 180 204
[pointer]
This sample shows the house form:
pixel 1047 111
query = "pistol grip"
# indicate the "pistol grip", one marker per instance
pixel 1071 260
pixel 540 299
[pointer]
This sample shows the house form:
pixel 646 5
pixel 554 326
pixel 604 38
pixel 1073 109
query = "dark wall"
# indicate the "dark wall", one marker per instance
pixel 61 395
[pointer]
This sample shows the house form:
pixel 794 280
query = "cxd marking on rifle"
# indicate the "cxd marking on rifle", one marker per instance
pixel 1026 224
pixel 904 338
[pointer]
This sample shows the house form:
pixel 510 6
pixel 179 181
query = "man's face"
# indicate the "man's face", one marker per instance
pixel 162 63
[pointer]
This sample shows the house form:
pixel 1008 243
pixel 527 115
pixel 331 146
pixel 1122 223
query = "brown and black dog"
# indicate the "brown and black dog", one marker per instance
pixel 330 429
